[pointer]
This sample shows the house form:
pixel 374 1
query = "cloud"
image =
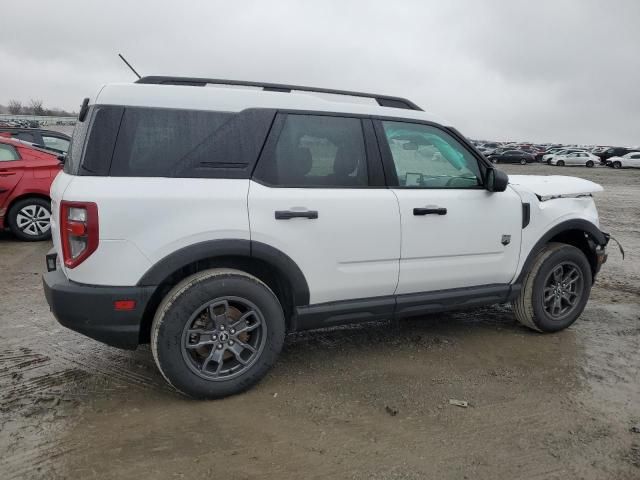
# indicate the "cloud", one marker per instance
pixel 565 71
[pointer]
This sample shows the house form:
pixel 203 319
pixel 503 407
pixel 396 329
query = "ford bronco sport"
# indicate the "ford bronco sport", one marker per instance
pixel 212 221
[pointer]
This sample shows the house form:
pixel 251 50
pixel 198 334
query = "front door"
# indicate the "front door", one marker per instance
pixel 318 196
pixel 455 233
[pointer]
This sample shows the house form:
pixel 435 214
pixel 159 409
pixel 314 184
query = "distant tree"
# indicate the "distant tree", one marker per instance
pixel 35 105
pixel 15 107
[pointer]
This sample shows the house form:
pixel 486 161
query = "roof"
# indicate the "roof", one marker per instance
pixel 240 96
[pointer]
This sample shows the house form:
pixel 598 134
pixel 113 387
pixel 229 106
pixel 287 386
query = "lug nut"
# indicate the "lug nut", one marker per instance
pixel 219 346
pixel 221 327
pixel 230 342
pixel 214 337
pixel 233 330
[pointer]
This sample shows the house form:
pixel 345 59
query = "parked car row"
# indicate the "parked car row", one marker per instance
pixel 20 123
pixel 560 155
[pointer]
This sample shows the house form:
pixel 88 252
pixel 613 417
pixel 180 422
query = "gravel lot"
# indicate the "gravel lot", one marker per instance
pixel 365 402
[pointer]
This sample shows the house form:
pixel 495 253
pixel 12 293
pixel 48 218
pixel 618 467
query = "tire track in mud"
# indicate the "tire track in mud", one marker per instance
pixel 47 371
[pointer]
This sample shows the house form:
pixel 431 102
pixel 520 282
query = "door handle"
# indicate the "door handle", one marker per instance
pixel 430 211
pixel 6 173
pixel 288 214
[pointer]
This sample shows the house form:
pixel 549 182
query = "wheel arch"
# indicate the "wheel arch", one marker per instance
pixel 276 269
pixel 582 234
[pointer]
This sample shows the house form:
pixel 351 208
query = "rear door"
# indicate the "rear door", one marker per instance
pixel 318 196
pixel 455 233
pixel 572 158
pixel 11 171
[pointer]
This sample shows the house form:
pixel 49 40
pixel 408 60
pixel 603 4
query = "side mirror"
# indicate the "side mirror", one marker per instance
pixel 497 180
pixel 62 158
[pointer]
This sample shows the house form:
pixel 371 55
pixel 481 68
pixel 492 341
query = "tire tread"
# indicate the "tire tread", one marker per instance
pixel 523 304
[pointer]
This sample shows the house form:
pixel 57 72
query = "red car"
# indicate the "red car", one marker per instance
pixel 26 173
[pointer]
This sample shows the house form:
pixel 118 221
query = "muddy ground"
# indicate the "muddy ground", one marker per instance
pixel 364 402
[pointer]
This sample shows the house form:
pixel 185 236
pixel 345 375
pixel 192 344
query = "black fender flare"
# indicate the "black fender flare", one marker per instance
pixel 225 248
pixel 591 230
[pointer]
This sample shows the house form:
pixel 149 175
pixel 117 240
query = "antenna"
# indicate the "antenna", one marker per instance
pixel 129 65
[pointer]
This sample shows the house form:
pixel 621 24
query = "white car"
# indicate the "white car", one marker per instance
pixel 546 158
pixel 575 158
pixel 630 160
pixel 210 222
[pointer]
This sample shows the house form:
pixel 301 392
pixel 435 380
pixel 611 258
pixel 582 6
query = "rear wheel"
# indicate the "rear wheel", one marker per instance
pixel 590 164
pixel 217 333
pixel 494 160
pixel 30 219
pixel 555 290
pixel 523 161
pixel 617 164
pixel 560 163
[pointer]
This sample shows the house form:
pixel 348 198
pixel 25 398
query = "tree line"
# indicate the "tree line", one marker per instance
pixel 35 106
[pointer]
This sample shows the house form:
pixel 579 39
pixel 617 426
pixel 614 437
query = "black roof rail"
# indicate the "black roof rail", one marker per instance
pixel 383 100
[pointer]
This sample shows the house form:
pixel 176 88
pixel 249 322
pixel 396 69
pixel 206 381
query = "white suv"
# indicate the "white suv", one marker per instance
pixel 211 217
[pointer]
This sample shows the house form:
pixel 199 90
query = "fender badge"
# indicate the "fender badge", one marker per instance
pixel 506 239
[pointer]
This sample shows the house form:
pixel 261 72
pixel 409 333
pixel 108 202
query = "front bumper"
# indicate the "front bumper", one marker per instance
pixel 90 310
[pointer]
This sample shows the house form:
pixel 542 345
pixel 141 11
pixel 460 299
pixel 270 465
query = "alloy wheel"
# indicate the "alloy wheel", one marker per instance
pixel 33 220
pixel 223 338
pixel 563 290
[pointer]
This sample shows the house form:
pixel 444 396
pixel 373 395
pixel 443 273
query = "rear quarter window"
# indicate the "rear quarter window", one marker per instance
pixel 155 142
pixel 74 154
pixel 8 153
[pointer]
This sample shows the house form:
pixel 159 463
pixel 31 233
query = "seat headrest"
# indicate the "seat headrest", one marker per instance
pixel 345 163
pixel 301 161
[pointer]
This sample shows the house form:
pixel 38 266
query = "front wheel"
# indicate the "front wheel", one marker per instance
pixel 560 163
pixel 494 160
pixel 617 165
pixel 590 164
pixel 30 219
pixel 555 290
pixel 217 333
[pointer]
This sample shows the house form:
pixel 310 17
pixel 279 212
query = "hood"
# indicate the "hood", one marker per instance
pixel 547 187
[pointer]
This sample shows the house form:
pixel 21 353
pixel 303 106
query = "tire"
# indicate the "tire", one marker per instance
pixel 560 163
pixel 29 219
pixel 616 165
pixel 494 160
pixel 189 308
pixel 523 161
pixel 529 307
pixel 590 164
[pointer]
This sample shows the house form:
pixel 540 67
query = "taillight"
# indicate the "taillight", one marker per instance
pixel 78 231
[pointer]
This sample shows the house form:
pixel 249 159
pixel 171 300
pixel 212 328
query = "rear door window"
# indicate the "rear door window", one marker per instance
pixel 316 151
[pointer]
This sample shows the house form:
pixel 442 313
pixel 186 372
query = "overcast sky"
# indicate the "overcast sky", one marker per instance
pixel 563 71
